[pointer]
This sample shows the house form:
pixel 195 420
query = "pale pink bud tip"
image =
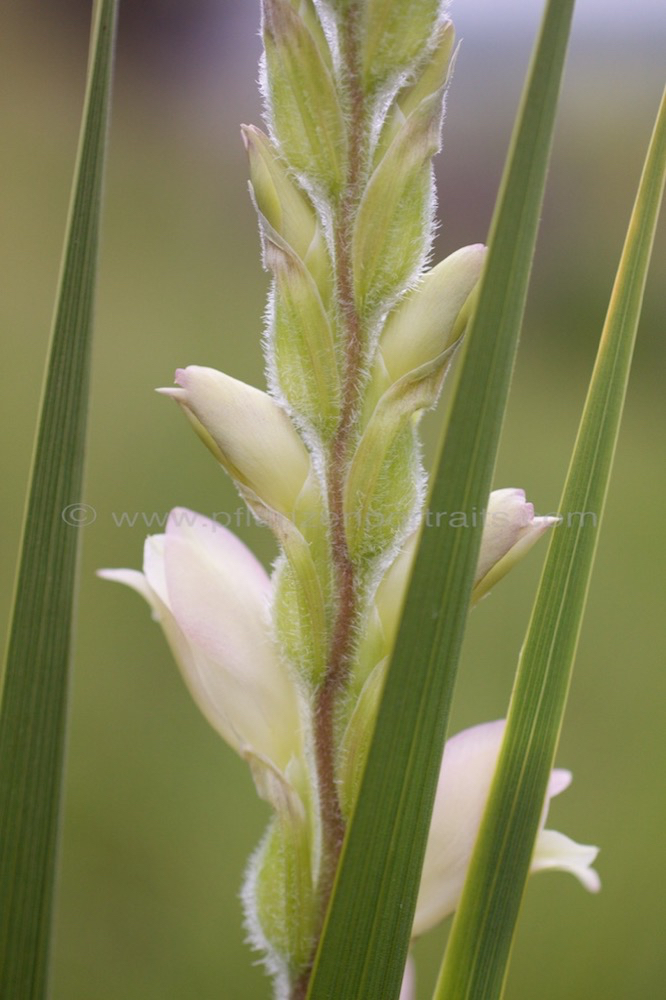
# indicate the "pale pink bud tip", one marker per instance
pixel 510 529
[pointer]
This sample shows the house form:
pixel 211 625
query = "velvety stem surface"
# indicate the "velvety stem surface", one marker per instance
pixel 346 591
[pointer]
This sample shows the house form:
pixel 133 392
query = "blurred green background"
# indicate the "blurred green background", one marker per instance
pixel 160 816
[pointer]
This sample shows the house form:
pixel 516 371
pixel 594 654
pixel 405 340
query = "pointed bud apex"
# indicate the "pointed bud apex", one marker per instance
pixel 249 434
pixel 468 765
pixel 285 207
pixel 394 218
pixel 424 325
pixel 430 78
pixel 395 36
pixel 302 340
pixel 510 529
pixel 433 75
pixel 307 12
pixel 304 107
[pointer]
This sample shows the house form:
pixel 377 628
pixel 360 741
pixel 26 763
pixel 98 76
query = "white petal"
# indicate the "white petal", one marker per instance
pixel 556 852
pixel 218 594
pixel 131 578
pixel 465 778
pixel 464 782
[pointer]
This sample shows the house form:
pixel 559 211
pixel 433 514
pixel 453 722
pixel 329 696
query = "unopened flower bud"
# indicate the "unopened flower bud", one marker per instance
pixel 395 36
pixel 281 202
pixel 285 207
pixel 249 434
pixel 510 529
pixel 428 322
pixel 304 105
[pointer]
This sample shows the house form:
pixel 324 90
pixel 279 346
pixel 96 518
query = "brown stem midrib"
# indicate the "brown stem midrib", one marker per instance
pixel 342 638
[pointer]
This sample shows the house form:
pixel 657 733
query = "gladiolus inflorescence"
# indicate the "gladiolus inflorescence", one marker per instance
pixel 359 337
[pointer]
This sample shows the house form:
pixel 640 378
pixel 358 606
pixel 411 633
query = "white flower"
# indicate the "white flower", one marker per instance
pixel 211 597
pixel 467 770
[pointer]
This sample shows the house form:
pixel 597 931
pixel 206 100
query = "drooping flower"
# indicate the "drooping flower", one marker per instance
pixel 211 596
pixel 465 777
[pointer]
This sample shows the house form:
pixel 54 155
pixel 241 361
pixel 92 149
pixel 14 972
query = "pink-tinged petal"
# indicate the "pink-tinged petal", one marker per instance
pixel 211 597
pixel 408 989
pixel 218 594
pixel 468 766
pixel 223 547
pixel 464 782
pixel 510 529
pixel 195 666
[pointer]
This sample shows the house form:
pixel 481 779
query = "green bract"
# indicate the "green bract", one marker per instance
pixel 304 108
pixel 391 235
pixel 394 35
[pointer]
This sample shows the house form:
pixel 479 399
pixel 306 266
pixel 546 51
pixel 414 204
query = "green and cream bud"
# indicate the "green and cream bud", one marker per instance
pixel 430 320
pixel 392 230
pixel 285 208
pixel 249 434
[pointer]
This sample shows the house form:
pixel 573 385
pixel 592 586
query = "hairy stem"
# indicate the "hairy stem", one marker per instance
pixel 346 591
